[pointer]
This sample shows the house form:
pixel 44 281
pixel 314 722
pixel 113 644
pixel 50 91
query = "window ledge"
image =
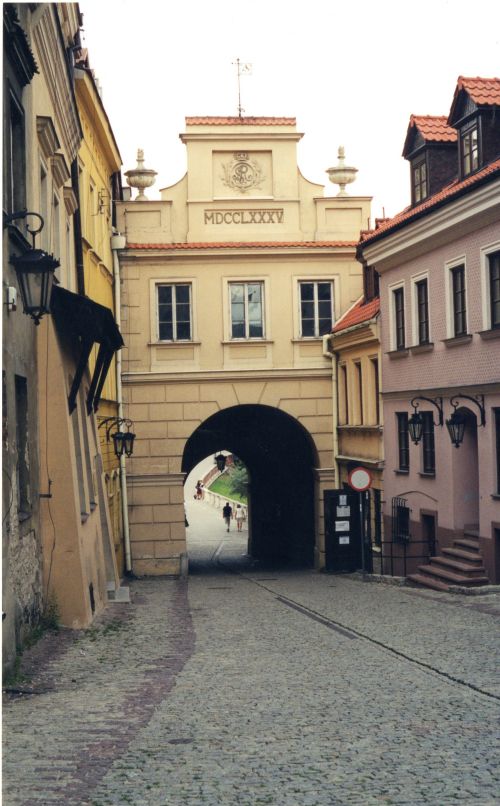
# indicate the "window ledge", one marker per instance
pixel 399 472
pixel 495 496
pixel 403 353
pixel 456 341
pixel 493 333
pixel 247 341
pixel 422 348
pixel 427 475
pixel 302 339
pixel 182 342
pixel 84 516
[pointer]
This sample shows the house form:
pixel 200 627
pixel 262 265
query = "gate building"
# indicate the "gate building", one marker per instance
pixel 231 283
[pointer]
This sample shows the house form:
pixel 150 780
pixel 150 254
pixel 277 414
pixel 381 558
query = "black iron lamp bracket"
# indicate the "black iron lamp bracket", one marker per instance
pixel 436 401
pixel 33 231
pixel 110 422
pixel 478 400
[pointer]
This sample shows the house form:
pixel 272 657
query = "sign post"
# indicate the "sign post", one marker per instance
pixel 360 479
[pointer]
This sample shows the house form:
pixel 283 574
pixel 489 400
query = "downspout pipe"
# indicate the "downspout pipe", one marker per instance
pixel 77 228
pixel 118 242
pixel 328 352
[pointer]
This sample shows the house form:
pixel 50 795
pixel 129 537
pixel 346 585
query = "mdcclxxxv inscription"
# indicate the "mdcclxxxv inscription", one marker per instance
pixel 244 216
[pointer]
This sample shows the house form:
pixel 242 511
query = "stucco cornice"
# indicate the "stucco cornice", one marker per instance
pixel 225 376
pixel 444 391
pixel 238 136
pixel 150 254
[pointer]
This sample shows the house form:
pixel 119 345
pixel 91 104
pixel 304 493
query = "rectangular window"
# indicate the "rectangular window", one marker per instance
pixel 14 150
pixel 22 444
pixel 316 309
pixel 343 395
pixel 399 318
pixel 247 310
pixel 422 312
pixel 419 175
pixel 470 151
pixel 497 448
pixel 428 450
pixel 458 301
pixel 174 312
pixel 494 282
pixel 376 389
pixel 403 441
pixel 359 390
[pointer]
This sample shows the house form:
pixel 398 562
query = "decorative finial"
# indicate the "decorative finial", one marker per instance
pixel 140 177
pixel 342 174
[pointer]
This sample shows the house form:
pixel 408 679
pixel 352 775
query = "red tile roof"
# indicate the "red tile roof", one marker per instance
pixel 448 193
pixel 360 312
pixel 483 91
pixel 244 244
pixel 235 121
pixel 434 128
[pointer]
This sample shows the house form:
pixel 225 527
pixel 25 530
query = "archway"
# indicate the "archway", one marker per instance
pixel 466 476
pixel 280 456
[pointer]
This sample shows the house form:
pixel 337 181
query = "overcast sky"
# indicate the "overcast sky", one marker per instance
pixel 352 73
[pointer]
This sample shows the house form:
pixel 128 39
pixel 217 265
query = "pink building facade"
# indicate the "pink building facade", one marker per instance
pixel 439 269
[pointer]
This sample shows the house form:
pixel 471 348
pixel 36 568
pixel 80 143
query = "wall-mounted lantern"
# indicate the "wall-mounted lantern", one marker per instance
pixel 416 421
pixel 220 461
pixel 123 441
pixel 35 271
pixel 457 422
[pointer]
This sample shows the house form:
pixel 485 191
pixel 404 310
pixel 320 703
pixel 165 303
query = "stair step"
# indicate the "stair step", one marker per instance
pixel 461 567
pixel 461 554
pixel 428 582
pixel 454 579
pixel 467 544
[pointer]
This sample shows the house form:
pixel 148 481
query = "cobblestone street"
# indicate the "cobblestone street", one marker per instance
pixel 244 686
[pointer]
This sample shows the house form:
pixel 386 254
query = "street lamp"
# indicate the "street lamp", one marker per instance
pixel 416 421
pixel 35 272
pixel 123 441
pixel 457 422
pixel 220 461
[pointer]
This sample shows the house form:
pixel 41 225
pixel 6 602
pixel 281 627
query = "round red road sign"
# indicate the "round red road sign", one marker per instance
pixel 360 479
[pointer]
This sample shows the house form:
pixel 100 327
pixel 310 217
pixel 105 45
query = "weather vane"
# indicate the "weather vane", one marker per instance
pixel 243 68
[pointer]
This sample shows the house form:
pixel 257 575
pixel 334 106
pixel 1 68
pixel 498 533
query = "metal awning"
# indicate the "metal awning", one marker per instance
pixel 91 324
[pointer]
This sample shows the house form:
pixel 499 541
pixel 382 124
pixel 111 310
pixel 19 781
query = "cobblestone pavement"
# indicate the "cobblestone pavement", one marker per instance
pixel 247 686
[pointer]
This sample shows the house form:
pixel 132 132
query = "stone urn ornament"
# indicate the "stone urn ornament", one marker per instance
pixel 140 177
pixel 342 174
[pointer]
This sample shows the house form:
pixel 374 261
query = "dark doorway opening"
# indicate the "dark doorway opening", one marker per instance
pixel 281 457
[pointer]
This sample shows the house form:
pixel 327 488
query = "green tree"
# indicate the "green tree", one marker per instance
pixel 238 480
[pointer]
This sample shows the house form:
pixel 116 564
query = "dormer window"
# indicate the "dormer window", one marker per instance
pixel 419 181
pixel 469 149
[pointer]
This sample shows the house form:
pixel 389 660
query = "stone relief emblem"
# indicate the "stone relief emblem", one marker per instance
pixel 242 173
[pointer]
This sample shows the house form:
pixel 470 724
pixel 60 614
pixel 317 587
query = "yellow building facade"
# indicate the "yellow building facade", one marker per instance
pixel 99 163
pixel 231 283
pixel 358 420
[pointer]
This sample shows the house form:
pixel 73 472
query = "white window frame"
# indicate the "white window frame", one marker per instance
pixel 484 253
pixel 315 282
pixel 417 278
pixel 155 318
pixel 246 337
pixel 454 263
pixel 392 314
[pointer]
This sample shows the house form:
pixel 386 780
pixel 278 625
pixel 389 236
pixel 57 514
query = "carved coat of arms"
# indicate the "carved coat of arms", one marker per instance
pixel 242 173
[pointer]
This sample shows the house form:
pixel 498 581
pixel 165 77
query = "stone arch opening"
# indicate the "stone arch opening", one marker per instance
pixel 280 456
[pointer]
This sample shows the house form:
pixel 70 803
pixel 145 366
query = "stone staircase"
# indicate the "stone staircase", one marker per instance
pixel 461 565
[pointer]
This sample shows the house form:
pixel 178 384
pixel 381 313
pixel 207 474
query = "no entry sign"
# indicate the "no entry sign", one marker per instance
pixel 360 479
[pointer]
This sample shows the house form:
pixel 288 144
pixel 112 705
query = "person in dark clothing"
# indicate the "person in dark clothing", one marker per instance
pixel 227 512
